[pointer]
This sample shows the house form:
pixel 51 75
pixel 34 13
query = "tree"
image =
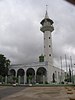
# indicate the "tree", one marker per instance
pixel 15 79
pixel 4 64
pixel 69 76
pixel 7 63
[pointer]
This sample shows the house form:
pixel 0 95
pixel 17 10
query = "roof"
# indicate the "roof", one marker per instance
pixel 46 18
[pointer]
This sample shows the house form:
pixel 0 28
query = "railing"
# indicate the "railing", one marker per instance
pixel 34 64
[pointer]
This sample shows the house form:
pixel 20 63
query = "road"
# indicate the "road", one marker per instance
pixel 9 91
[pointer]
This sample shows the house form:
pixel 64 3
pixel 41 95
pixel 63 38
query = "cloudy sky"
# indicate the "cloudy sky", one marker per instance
pixel 20 38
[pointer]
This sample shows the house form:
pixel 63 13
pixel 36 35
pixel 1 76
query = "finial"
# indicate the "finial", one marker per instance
pixel 46 7
pixel 46 15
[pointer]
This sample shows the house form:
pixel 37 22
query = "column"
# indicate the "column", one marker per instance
pixel 24 78
pixel 35 77
pixel 43 79
pixel 5 79
pixel 19 80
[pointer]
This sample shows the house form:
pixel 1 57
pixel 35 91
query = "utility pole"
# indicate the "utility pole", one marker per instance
pixel 71 69
pixel 66 65
pixel 70 79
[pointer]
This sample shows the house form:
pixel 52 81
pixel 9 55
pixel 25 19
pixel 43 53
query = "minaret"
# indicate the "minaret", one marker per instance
pixel 47 28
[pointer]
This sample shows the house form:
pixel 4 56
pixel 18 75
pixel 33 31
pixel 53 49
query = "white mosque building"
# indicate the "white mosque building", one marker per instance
pixel 40 72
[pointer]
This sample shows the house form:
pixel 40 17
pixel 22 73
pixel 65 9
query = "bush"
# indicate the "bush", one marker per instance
pixel 62 82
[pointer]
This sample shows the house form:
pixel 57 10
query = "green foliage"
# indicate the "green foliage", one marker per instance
pixel 30 77
pixel 15 79
pixel 4 64
pixel 68 77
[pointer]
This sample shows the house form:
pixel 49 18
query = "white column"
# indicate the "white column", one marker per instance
pixel 5 79
pixel 24 78
pixel 15 73
pixel 43 79
pixel 35 76
pixel 19 80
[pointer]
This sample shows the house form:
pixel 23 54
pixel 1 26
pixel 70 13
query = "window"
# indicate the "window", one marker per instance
pixel 49 45
pixel 49 37
pixel 49 54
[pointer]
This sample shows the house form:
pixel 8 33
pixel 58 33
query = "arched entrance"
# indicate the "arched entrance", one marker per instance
pixel 41 75
pixel 20 75
pixel 12 72
pixel 30 73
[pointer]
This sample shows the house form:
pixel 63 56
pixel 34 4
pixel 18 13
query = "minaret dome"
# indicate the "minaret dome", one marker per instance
pixel 47 28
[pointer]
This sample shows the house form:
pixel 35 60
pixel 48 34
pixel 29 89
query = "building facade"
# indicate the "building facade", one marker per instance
pixel 40 72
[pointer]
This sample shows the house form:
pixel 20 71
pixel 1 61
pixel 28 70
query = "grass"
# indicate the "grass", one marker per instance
pixel 40 85
pixel 54 85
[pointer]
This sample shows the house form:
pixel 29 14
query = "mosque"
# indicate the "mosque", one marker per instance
pixel 42 71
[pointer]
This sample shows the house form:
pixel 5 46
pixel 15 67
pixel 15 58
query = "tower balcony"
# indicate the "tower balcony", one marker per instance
pixel 47 28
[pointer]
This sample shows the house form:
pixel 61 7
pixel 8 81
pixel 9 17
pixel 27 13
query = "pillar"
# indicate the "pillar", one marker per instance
pixel 35 77
pixel 24 78
pixel 43 79
pixel 5 79
pixel 19 80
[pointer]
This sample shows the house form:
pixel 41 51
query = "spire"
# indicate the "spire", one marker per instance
pixel 46 18
pixel 46 14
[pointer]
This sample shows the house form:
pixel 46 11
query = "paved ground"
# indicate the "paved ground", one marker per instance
pixel 6 91
pixel 43 93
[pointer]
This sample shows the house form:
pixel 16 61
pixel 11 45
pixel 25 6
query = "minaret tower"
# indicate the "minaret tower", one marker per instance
pixel 47 28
